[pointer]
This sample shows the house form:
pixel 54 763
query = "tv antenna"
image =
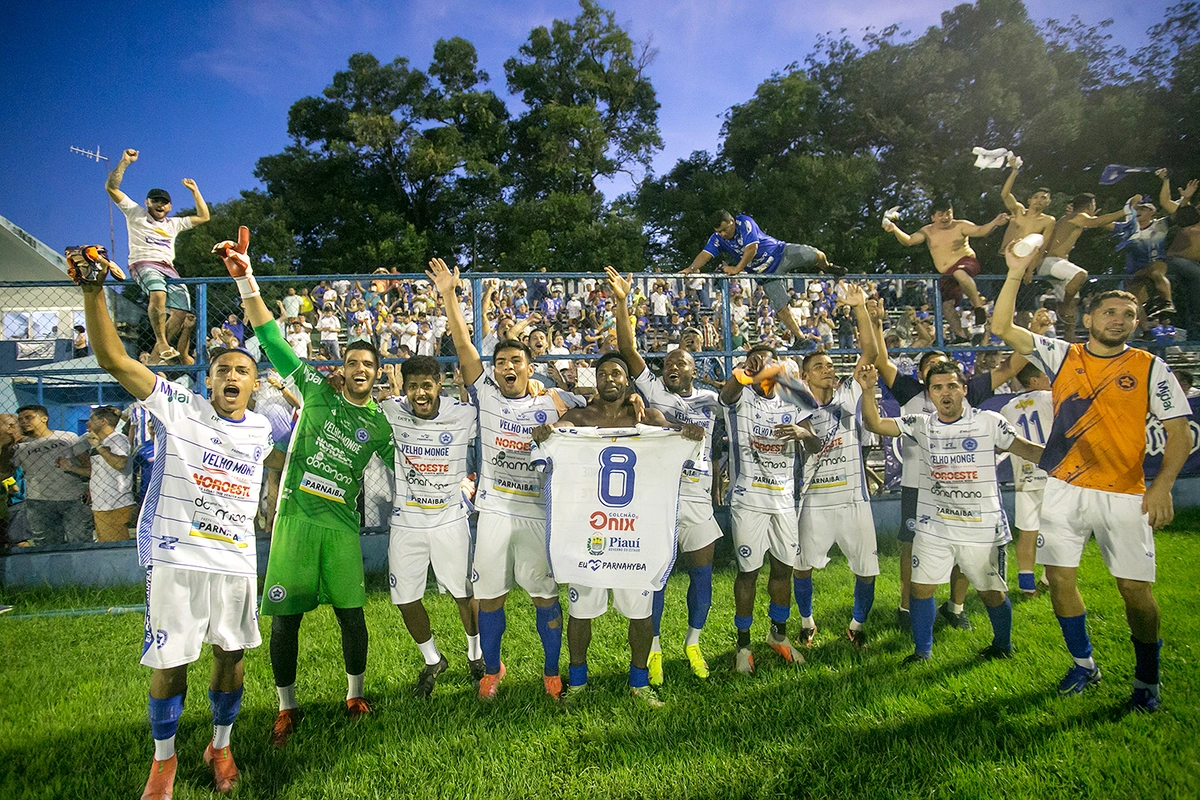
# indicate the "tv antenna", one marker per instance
pixel 95 156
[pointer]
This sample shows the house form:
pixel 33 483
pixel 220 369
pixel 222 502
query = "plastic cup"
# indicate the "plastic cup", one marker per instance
pixel 1028 246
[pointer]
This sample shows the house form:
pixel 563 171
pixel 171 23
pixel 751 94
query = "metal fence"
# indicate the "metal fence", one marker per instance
pixel 44 362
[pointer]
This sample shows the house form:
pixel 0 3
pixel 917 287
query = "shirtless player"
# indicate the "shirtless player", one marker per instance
pixel 949 246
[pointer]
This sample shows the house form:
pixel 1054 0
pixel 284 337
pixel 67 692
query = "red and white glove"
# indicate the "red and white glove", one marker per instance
pixel 238 263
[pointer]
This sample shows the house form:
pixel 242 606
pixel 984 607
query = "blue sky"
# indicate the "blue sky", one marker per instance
pixel 202 89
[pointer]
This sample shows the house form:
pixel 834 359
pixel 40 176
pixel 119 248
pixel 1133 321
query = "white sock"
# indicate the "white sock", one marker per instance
pixel 855 625
pixel 693 637
pixel 956 608
pixel 221 736
pixel 1088 662
pixel 428 650
pixel 808 622
pixel 287 697
pixel 656 646
pixel 474 652
pixel 1150 687
pixel 902 608
pixel 354 685
pixel 164 748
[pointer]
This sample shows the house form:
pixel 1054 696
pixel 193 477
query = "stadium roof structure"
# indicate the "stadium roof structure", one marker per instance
pixel 24 258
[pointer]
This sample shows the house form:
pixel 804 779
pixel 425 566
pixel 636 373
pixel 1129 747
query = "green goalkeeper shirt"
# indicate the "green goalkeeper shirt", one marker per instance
pixel 330 446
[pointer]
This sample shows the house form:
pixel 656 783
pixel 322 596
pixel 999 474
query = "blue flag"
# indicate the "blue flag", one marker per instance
pixel 1115 172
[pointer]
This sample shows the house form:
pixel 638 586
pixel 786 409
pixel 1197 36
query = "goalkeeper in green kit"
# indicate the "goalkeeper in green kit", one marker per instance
pixel 315 552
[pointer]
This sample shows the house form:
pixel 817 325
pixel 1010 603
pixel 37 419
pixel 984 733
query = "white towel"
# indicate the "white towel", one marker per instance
pixel 991 159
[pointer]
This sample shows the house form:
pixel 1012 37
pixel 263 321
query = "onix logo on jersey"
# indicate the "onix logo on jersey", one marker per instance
pixel 613 522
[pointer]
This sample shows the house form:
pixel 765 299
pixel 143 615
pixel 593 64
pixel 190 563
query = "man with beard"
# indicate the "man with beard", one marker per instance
pixel 316 556
pixel 429 520
pixel 680 402
pixel 1103 390
pixel 611 408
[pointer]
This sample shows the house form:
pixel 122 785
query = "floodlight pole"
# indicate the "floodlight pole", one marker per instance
pixel 95 156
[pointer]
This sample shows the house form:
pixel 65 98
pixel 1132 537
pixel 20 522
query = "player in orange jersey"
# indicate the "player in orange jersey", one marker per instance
pixel 1102 392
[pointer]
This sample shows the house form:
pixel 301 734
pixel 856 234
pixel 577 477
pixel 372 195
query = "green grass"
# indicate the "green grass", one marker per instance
pixel 847 724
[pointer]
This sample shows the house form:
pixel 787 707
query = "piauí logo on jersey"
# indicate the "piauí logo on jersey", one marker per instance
pixel 595 545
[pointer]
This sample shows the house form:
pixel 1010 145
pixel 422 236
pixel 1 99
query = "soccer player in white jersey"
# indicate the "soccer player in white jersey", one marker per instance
pixel 429 520
pixel 510 539
pixel 763 432
pixel 195 537
pixel 959 516
pixel 836 508
pixel 611 408
pixel 1032 414
pixel 680 402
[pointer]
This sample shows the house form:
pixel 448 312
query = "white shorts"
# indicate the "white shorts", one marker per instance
pixel 984 565
pixel 511 551
pixel 1059 271
pixel 588 602
pixel 697 526
pixel 412 550
pixel 850 526
pixel 1071 514
pixel 755 533
pixel 1028 505
pixel 187 608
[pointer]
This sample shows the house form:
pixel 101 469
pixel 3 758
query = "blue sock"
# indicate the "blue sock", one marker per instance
pixel 699 595
pixel 1026 582
pixel 491 631
pixel 864 598
pixel 1001 617
pixel 164 716
pixel 225 705
pixel 660 599
pixel 923 612
pixel 1075 633
pixel 802 588
pixel 1146 667
pixel 638 677
pixel 778 613
pixel 551 637
pixel 577 675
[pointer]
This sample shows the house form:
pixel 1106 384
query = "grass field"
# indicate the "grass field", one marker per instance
pixel 847 724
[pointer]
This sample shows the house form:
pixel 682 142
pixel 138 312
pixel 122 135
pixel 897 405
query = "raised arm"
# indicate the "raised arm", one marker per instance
pixel 113 184
pixel 902 237
pixel 626 343
pixel 856 298
pixel 971 229
pixel 106 342
pixel 883 364
pixel 446 281
pixel 201 216
pixel 867 376
pixel 1010 202
pixel 1016 337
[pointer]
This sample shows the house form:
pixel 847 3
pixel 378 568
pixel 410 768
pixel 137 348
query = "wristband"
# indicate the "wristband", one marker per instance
pixel 247 286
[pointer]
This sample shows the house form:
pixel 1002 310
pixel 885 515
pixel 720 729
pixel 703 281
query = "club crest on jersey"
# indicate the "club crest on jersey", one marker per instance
pixel 1126 382
pixel 787 419
pixel 916 562
pixel 276 594
pixel 361 435
pixel 392 579
pixel 540 417
pixel 596 545
pixel 446 437
pixel 969 444
pixel 744 551
pixel 160 638
pixel 574 595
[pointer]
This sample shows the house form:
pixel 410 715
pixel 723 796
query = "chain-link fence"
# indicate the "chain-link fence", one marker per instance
pixel 79 475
